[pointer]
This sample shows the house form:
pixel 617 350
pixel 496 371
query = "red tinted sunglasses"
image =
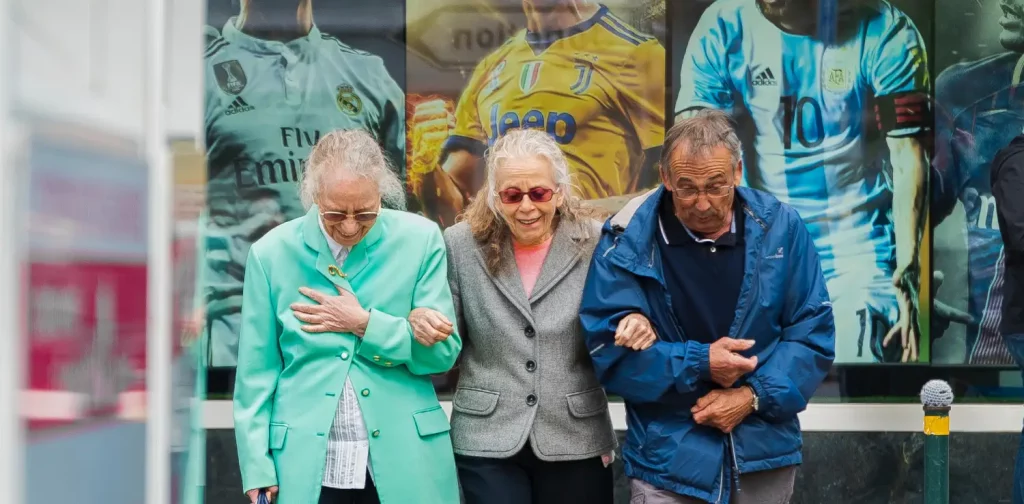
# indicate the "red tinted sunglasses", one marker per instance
pixel 513 195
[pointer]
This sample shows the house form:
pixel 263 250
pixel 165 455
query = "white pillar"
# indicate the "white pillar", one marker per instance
pixel 159 264
pixel 12 334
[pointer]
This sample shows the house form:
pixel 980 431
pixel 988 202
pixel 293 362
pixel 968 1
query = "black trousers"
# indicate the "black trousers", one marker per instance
pixel 365 495
pixel 525 479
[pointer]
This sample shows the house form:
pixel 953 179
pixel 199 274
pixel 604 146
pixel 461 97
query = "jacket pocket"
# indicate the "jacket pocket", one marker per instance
pixel 587 403
pixel 431 421
pixel 473 401
pixel 278 433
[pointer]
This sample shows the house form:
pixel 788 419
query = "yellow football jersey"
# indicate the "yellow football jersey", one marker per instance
pixel 596 88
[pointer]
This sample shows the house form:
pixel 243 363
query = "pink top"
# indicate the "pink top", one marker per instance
pixel 530 259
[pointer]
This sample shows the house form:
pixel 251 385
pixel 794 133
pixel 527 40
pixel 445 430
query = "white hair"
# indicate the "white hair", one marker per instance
pixel 701 132
pixel 355 152
pixel 521 144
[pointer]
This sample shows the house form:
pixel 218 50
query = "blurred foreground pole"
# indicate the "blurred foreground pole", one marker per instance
pixel 937 397
pixel 12 243
pixel 159 265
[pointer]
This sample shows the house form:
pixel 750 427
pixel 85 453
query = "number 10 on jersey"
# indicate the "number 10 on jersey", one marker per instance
pixel 799 108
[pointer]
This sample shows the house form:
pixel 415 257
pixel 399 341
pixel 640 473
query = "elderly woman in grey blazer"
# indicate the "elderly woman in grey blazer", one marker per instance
pixel 530 421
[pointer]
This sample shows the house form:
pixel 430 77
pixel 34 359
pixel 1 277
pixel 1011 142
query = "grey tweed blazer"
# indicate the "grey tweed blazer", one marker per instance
pixel 525 373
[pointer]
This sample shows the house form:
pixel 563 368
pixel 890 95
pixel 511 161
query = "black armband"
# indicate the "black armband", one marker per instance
pixel 903 111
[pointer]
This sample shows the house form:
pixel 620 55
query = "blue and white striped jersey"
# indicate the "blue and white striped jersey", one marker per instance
pixel 818 123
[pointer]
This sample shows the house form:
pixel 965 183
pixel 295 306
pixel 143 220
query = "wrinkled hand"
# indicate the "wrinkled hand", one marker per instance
pixel 341 313
pixel 430 326
pixel 254 494
pixel 635 332
pixel 724 409
pixel 943 314
pixel 907 325
pixel 727 365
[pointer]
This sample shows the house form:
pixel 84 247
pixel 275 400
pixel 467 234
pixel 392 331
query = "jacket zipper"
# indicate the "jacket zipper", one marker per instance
pixel 679 329
pixel 746 312
pixel 735 463
pixel 755 275
pixel 721 484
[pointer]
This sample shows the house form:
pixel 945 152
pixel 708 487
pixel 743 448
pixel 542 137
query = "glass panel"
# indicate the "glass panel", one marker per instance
pixel 844 111
pixel 86 315
pixel 189 370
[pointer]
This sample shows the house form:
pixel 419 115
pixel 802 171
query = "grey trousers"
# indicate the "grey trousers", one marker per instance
pixel 765 487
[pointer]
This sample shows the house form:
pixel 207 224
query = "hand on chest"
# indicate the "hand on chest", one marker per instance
pixel 333 303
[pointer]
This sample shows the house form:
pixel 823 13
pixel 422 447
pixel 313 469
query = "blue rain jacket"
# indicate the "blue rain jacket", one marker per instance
pixel 783 306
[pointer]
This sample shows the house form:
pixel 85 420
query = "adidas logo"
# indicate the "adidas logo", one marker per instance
pixel 765 78
pixel 238 106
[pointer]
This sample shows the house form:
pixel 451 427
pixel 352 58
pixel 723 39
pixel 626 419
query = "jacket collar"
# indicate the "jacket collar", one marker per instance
pixel 564 253
pixel 358 256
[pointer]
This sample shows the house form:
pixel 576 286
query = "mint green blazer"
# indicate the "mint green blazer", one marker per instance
pixel 288 382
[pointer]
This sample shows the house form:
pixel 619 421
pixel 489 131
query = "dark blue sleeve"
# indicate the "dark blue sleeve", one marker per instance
pixel 787 379
pixel 643 376
pixel 1007 186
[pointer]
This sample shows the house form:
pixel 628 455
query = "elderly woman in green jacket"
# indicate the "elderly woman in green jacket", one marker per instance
pixel 333 399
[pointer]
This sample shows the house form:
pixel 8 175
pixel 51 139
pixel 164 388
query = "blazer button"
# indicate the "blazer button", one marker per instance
pixel 531 400
pixel 530 332
pixel 366 392
pixel 344 356
pixel 531 366
pixel 375 433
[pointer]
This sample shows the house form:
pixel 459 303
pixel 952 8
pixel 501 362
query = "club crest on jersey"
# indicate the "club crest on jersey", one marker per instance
pixel 837 80
pixel 585 72
pixel 493 79
pixel 230 76
pixel 348 101
pixel 530 75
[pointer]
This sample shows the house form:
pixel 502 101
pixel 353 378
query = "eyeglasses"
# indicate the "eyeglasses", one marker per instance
pixel 513 195
pixel 690 193
pixel 338 217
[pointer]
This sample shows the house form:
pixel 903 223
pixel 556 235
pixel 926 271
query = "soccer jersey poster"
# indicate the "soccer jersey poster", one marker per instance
pixel 279 74
pixel 832 99
pixel 589 74
pixel 979 108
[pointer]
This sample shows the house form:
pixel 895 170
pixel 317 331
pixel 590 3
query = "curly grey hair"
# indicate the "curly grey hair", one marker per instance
pixel 358 153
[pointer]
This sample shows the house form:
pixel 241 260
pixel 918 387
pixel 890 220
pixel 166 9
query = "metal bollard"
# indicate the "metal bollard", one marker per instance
pixel 937 397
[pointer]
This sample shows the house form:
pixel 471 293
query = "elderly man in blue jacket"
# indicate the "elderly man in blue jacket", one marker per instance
pixel 729 280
